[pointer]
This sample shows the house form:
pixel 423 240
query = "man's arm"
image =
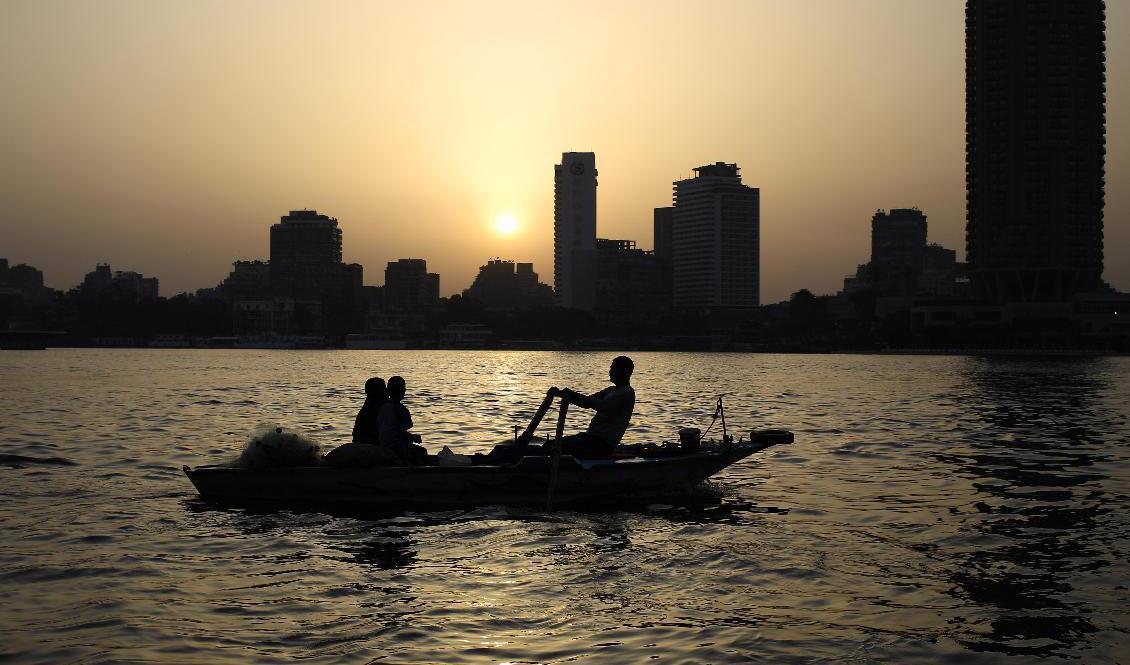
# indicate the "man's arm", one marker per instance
pixel 405 420
pixel 603 400
pixel 405 423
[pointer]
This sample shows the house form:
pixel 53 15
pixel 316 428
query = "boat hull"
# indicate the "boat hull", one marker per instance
pixel 585 481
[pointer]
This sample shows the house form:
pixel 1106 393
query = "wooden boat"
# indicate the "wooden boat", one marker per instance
pixel 577 481
pixel 549 480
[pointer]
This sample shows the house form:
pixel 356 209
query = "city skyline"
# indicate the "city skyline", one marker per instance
pixel 813 345
pixel 829 135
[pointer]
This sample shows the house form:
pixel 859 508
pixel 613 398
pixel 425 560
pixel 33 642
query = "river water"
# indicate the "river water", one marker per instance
pixel 932 509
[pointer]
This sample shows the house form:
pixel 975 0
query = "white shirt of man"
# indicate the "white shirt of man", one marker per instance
pixel 392 423
pixel 613 407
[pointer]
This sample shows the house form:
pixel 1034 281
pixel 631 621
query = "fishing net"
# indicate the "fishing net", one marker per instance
pixel 271 446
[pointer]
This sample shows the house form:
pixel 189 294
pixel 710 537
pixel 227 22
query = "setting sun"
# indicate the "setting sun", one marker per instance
pixel 506 224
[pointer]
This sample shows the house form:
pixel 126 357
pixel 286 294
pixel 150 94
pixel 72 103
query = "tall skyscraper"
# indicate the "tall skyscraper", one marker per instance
pixel 1035 146
pixel 305 255
pixel 574 230
pixel 716 239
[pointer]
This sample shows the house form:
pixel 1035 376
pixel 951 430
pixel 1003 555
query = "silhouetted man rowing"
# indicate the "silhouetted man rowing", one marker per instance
pixel 613 406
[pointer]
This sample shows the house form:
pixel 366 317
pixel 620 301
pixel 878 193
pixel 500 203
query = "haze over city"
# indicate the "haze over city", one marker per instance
pixel 740 331
pixel 166 138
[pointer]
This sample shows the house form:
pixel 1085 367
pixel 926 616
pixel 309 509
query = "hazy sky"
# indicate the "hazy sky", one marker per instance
pixel 167 137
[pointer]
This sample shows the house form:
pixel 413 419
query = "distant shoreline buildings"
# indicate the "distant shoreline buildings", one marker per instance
pixel 706 258
pixel 1035 148
pixel 503 284
pixel 122 285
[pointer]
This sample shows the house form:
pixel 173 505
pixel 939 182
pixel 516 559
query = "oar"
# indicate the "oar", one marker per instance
pixel 556 455
pixel 528 435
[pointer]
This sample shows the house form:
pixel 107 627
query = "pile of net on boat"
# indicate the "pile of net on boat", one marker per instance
pixel 272 446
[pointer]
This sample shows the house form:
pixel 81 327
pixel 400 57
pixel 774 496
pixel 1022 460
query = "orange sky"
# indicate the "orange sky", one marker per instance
pixel 167 137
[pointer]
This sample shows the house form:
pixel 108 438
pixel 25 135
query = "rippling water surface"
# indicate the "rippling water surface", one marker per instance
pixel 932 509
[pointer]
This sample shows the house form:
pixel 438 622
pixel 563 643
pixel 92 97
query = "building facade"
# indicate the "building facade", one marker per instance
pixel 661 230
pixel 305 256
pixel 716 240
pixel 121 285
pixel 629 287
pixel 574 230
pixel 530 289
pixel 503 284
pixel 939 271
pixel 247 279
pixel 898 248
pixel 306 267
pixel 409 287
pixel 1035 147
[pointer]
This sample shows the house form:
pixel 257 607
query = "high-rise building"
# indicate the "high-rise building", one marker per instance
pixel 247 279
pixel 505 285
pixel 306 267
pixel 661 227
pixel 23 282
pixel 530 290
pixel 715 240
pixel 629 286
pixel 305 256
pixel 1035 145
pixel 124 285
pixel 350 309
pixel 939 271
pixel 495 285
pixel 898 245
pixel 661 223
pixel 574 230
pixel 97 280
pixel 409 287
pixel 26 278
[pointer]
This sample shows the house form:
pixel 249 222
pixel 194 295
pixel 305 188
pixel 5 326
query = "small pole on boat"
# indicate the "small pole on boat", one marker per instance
pixel 713 418
pixel 556 454
pixel 722 412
